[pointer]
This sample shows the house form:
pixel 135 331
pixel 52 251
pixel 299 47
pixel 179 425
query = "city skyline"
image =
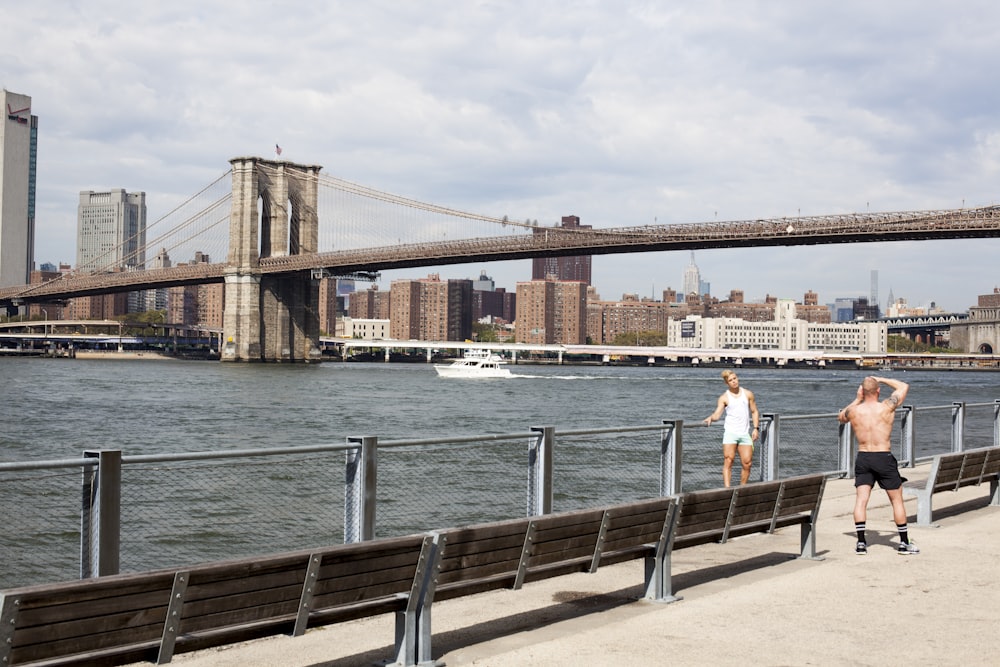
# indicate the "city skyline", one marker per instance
pixel 623 114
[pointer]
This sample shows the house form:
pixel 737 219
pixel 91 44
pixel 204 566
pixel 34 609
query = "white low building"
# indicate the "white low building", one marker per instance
pixel 365 329
pixel 784 333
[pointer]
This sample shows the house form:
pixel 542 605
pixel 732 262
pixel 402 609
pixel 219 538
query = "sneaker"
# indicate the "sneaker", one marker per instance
pixel 908 549
pixel 861 549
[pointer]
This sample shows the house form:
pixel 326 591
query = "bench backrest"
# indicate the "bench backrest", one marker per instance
pixel 507 554
pixel 991 467
pixel 150 616
pixel 716 515
pixel 971 467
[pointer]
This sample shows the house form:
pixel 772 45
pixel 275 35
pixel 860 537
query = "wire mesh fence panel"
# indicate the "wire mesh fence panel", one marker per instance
pixel 979 425
pixel 40 539
pixel 932 431
pixel 702 459
pixel 181 513
pixel 605 469
pixel 427 487
pixel 809 444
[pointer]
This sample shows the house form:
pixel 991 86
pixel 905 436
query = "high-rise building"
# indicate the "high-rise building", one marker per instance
pixel 431 309
pixel 552 311
pixel 18 167
pixel 576 267
pixel 692 279
pixel 111 231
pixel 370 304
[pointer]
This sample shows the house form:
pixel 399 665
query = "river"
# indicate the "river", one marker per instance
pixel 57 408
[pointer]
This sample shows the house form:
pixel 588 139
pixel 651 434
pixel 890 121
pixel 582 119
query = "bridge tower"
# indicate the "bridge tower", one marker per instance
pixel 271 318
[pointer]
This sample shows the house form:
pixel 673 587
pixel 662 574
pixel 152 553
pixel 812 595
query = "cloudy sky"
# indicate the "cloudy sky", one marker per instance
pixel 623 113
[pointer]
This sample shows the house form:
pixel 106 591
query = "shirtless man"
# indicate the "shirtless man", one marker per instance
pixel 872 423
pixel 740 407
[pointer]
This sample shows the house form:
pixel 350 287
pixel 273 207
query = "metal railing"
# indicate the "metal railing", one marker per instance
pixel 108 512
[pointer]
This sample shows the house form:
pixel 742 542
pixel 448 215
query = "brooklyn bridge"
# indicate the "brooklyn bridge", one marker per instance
pixel 281 225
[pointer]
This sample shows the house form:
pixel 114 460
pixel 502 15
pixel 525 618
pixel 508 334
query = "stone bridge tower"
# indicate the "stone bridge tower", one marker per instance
pixel 270 317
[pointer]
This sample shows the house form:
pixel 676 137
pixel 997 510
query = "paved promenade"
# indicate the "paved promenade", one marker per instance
pixel 746 602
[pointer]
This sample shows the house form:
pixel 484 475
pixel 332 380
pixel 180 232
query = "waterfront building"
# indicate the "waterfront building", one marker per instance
pixel 735 307
pixel 551 312
pixel 492 303
pixel 575 268
pixel 366 329
pixel 111 231
pixel 370 304
pixel 156 299
pixel 18 169
pixel 784 332
pixel 607 320
pixel 431 309
pixel 980 334
pixel 196 305
pixel 49 311
pixel 97 307
pixel 330 305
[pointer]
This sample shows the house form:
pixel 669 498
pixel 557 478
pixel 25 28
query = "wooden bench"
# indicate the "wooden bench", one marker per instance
pixel 715 515
pixel 151 616
pixel 950 472
pixel 508 554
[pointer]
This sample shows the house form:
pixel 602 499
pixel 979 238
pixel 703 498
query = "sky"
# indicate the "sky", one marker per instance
pixel 622 113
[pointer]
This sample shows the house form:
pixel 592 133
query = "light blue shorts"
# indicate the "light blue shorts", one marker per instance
pixel 729 438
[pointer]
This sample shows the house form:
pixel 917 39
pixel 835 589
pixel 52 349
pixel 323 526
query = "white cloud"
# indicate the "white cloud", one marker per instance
pixel 620 112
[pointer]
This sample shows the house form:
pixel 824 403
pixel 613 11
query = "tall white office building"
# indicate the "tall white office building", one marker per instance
pixel 111 231
pixel 18 162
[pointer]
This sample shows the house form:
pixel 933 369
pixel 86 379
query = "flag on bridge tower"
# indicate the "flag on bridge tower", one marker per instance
pixel 277 149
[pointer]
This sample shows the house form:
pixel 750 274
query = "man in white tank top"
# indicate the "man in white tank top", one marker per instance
pixel 741 427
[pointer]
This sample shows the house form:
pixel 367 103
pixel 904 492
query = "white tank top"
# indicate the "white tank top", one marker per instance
pixel 738 413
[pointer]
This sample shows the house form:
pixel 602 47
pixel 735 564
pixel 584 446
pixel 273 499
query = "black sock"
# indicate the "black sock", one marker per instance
pixel 860 527
pixel 903 535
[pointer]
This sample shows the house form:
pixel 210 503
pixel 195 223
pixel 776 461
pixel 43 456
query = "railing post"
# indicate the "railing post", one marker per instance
pixel 100 516
pixel 540 470
pixel 846 458
pixel 996 422
pixel 770 438
pixel 359 489
pixel 671 455
pixel 908 429
pixel 957 426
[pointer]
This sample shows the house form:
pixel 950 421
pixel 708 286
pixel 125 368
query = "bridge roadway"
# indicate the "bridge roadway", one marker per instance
pixel 693 356
pixel 544 241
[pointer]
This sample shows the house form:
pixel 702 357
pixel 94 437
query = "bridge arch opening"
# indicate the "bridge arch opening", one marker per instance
pixel 985 348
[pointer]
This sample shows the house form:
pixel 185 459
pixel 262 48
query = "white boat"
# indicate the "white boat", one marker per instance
pixel 475 364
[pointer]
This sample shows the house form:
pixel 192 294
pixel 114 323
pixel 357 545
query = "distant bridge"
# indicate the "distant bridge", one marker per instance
pixel 278 229
pixel 924 328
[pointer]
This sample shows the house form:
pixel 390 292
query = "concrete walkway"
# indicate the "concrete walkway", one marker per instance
pixel 744 602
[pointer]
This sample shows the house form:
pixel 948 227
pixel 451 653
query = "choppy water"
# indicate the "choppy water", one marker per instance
pixel 55 408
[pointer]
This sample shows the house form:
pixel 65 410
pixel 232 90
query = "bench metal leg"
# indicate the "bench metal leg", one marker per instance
pixel 994 492
pixel 406 639
pixel 925 509
pixel 659 587
pixel 807 541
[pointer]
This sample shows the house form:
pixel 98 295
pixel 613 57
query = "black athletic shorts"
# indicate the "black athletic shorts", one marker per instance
pixel 881 467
